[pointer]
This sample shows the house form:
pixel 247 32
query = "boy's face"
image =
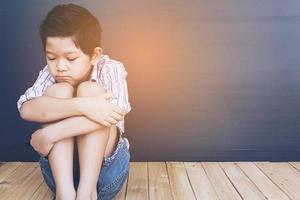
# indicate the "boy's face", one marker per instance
pixel 67 63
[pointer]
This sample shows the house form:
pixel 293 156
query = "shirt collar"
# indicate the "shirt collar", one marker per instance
pixel 97 66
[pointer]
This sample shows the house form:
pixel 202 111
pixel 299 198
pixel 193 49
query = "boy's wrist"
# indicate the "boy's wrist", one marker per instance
pixel 78 103
pixel 51 133
pixel 54 132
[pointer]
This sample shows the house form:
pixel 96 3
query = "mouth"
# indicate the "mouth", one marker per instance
pixel 62 78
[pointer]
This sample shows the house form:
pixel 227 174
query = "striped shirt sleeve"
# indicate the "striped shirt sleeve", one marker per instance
pixel 44 80
pixel 115 82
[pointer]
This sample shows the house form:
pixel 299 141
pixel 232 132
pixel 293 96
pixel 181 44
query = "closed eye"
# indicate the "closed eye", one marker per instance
pixel 72 59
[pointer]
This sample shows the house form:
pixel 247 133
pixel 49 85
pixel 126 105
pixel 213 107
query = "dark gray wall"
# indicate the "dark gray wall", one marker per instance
pixel 207 80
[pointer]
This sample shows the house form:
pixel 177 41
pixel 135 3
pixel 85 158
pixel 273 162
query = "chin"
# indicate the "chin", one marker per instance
pixel 65 81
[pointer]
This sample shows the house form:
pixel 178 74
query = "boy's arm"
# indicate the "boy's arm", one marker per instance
pixel 33 98
pixel 34 106
pixel 48 109
pixel 69 128
pixel 43 139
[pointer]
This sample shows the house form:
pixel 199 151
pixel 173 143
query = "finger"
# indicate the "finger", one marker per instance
pixel 105 123
pixel 117 116
pixel 111 120
pixel 107 95
pixel 118 110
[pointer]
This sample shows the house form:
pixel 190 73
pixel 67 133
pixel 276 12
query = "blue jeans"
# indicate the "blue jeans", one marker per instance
pixel 113 173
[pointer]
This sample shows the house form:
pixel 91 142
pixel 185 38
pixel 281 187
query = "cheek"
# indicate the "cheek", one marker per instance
pixel 51 70
pixel 82 68
pixel 78 73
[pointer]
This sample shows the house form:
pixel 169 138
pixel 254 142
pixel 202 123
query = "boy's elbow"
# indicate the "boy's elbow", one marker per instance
pixel 27 112
pixel 24 111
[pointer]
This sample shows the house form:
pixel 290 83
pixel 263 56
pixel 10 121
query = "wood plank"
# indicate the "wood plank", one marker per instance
pixel 138 181
pixel 220 182
pixel 179 182
pixel 159 185
pixel 173 180
pixel 23 182
pixel 265 185
pixel 202 187
pixel 8 172
pixel 241 182
pixel 296 165
pixel 284 176
pixel 6 168
pixel 42 193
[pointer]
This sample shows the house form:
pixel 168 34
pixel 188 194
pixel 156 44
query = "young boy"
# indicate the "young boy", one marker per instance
pixel 80 95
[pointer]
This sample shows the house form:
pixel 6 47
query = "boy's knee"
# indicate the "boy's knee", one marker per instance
pixel 60 90
pixel 89 88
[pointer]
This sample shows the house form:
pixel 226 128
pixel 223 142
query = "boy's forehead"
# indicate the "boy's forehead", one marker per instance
pixel 63 45
pixel 69 52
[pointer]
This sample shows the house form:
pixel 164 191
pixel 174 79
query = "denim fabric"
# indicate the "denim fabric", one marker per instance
pixel 113 173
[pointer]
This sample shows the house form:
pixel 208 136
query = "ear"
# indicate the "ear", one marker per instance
pixel 96 55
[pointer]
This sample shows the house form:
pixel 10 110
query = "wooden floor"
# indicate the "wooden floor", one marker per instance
pixel 173 180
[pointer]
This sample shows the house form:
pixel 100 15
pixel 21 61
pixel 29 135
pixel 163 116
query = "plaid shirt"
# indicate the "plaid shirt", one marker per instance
pixel 109 73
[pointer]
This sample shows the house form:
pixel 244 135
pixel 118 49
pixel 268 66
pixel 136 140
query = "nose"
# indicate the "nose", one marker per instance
pixel 61 66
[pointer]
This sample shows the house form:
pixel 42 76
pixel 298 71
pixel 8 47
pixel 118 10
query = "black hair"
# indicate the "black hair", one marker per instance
pixel 66 20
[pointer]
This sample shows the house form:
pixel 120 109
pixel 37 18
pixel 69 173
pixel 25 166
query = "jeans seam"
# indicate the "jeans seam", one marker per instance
pixel 117 179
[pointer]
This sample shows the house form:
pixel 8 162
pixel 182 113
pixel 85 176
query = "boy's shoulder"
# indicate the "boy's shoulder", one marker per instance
pixel 107 66
pixel 107 61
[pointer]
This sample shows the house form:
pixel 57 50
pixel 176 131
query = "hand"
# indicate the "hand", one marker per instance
pixel 41 142
pixel 99 109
